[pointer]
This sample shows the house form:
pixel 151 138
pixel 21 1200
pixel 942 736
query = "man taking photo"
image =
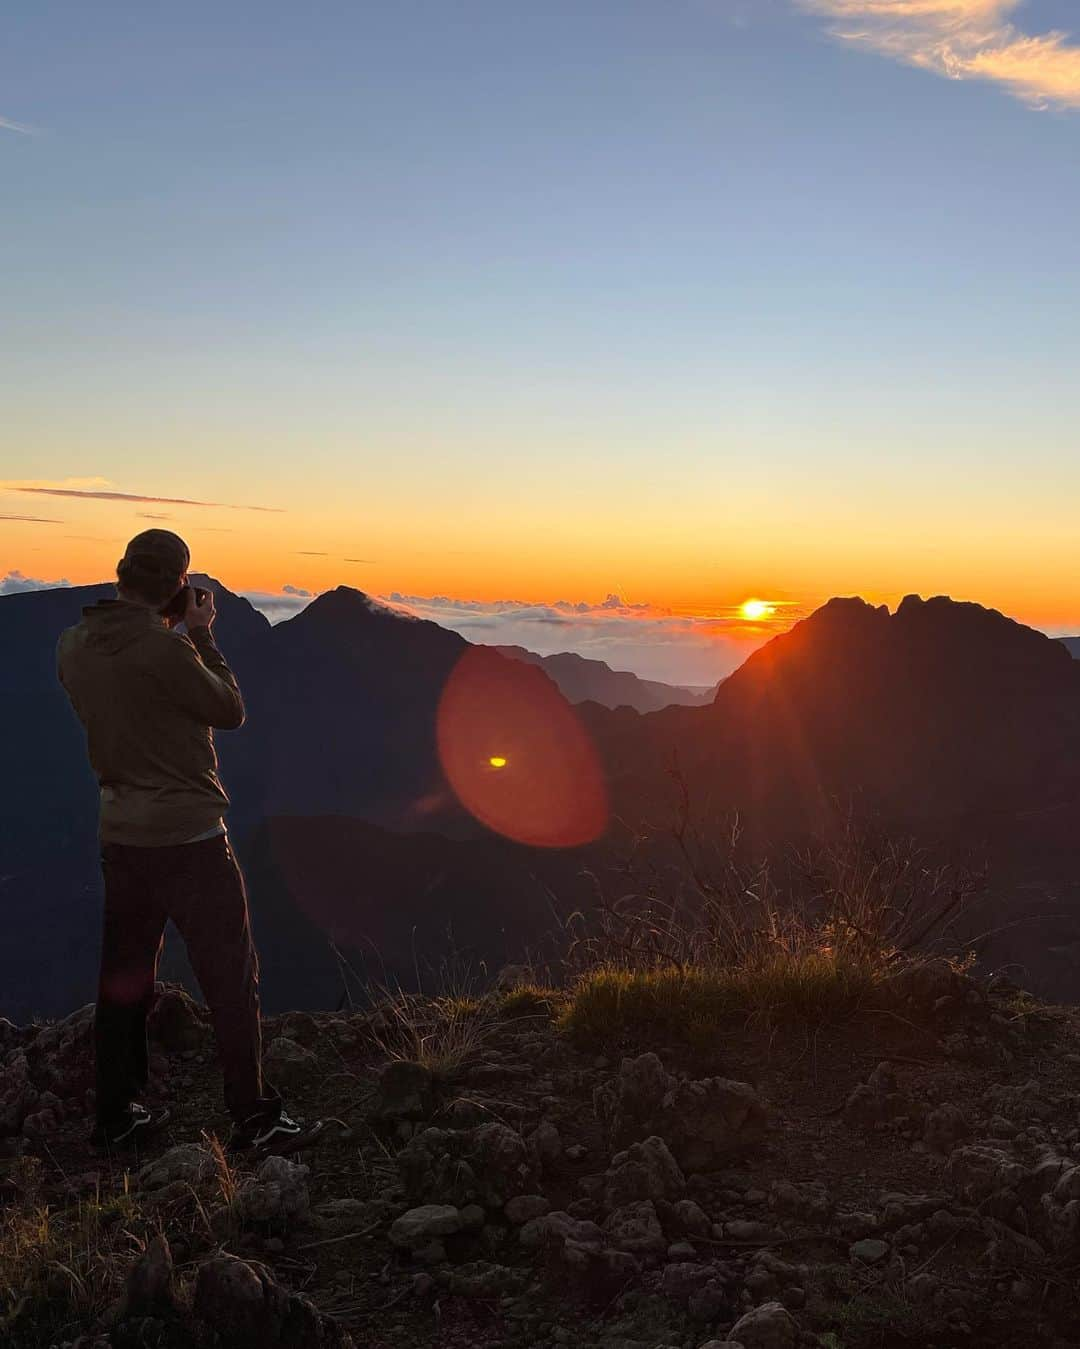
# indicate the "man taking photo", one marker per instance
pixel 150 699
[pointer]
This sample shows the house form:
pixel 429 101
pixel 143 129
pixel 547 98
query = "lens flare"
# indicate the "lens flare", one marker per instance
pixel 495 712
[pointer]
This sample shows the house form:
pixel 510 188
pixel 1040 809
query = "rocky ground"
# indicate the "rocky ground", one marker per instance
pixel 910 1178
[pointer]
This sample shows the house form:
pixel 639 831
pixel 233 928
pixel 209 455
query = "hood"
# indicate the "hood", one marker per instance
pixel 112 625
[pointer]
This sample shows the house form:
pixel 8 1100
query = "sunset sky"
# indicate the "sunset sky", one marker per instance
pixel 573 323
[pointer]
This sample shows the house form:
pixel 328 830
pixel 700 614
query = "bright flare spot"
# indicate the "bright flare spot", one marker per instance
pixel 756 609
pixel 497 761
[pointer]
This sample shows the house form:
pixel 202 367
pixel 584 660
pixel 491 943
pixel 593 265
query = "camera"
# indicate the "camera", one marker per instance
pixel 177 606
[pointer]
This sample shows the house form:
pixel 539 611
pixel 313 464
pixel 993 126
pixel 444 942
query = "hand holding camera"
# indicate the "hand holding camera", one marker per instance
pixel 199 612
pixel 192 606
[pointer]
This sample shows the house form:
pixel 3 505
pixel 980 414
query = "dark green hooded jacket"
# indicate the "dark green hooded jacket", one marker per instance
pixel 149 698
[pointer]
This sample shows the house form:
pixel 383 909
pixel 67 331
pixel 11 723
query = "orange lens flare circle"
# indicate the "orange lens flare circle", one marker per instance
pixel 516 755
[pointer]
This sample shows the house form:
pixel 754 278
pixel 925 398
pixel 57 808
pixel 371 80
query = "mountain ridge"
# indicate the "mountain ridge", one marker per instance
pixel 946 720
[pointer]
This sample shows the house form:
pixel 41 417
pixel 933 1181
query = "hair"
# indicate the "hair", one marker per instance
pixel 143 575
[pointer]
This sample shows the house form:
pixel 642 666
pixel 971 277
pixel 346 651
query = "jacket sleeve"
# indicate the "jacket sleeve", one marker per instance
pixel 201 683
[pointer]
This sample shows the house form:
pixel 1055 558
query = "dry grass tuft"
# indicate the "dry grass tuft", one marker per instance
pixel 60 1271
pixel 788 989
pixel 529 1000
pixel 443 1033
pixel 714 936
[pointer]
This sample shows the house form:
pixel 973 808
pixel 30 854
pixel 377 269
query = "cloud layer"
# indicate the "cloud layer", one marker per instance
pixel 15 583
pixel 692 649
pixel 655 643
pixel 963 40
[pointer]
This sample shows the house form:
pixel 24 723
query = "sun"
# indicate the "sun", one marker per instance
pixel 497 761
pixel 754 610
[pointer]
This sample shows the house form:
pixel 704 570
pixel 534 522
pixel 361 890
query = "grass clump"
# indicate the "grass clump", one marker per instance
pixel 444 1034
pixel 718 932
pixel 786 989
pixel 528 1000
pixel 60 1271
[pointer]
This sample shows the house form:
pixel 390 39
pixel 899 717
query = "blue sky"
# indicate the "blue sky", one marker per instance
pixel 685 301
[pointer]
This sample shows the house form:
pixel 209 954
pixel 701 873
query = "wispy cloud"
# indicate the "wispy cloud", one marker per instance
pixel 99 495
pixel 154 515
pixel 308 552
pixel 963 40
pixel 364 561
pixel 6 124
pixel 33 519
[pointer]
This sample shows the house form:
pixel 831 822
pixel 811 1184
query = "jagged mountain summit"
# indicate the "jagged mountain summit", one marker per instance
pixel 938 712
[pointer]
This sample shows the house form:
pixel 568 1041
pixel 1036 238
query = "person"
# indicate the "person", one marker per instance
pixel 150 699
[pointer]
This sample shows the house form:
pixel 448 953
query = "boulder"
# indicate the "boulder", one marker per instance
pixel 524 1207
pixel 555 1229
pixel 18 1095
pixel 976 1172
pixel 876 1101
pixel 808 1200
pixel 545 1144
pixel 487 1165
pixel 869 1251
pixel 427 1223
pixel 636 1228
pixel 249 1310
pixel 945 1127
pixel 766 1327
pixel 405 1091
pixel 703 1122
pixel 644 1171
pixel 277 1195
pixel 150 1285
pixel 177 1022
pixel 189 1162
pixel 288 1064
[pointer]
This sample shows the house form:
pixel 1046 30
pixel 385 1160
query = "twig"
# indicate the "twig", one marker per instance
pixel 333 1241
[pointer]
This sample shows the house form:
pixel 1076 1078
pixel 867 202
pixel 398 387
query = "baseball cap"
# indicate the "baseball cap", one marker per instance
pixel 160 551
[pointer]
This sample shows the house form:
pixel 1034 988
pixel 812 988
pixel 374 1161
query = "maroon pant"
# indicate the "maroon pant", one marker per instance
pixel 198 886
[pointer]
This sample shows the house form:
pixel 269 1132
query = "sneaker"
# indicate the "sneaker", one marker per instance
pixel 130 1128
pixel 269 1134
